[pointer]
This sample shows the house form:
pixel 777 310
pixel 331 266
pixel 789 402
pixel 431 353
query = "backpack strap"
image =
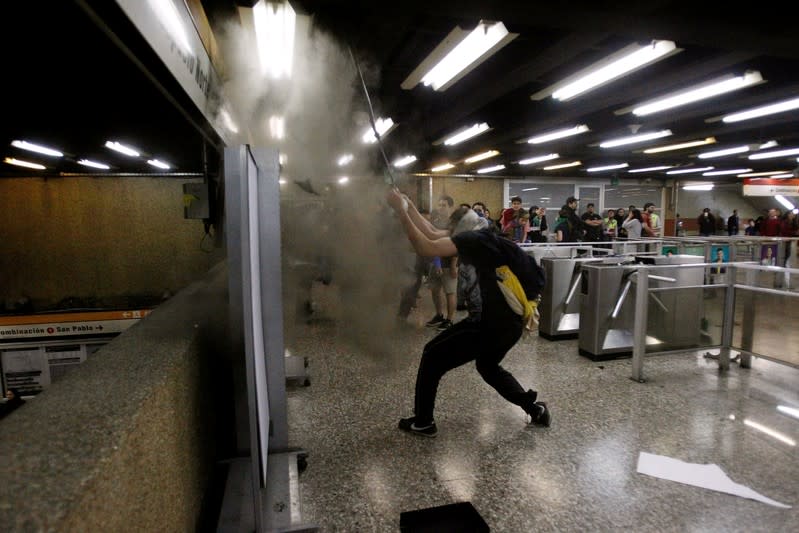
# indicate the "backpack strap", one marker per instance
pixel 514 294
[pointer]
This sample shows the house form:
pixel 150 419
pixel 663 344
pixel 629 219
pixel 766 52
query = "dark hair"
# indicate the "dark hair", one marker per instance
pixel 516 199
pixel 590 204
pixel 534 208
pixel 637 214
pixel 448 199
pixel 646 205
pixel 466 205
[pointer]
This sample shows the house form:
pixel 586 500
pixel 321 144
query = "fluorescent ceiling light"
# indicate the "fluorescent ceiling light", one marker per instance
pixel 441 168
pixel 701 187
pixel 680 146
pixel 25 145
pixel 490 169
pixel 168 14
pixel 277 127
pixel 274 34
pixel 465 134
pixel 345 159
pixel 690 170
pixel 607 167
pixel 785 175
pixel 785 202
pixel 559 134
pixel 343 179
pixel 93 164
pixel 722 153
pixel 530 189
pixel 480 157
pixel 282 181
pixel 762 111
pixel 638 138
pixel 20 163
pixel 649 169
pixel 714 88
pixel 158 164
pixel 459 54
pixel 383 127
pixel 538 159
pixel 564 165
pixel 770 432
pixel 790 411
pixel 777 153
pixel 623 62
pixel 768 144
pixel 121 148
pixel 404 161
pixel 756 174
pixel 726 172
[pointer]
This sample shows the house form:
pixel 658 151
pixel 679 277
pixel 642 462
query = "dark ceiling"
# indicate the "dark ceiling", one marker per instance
pixel 74 88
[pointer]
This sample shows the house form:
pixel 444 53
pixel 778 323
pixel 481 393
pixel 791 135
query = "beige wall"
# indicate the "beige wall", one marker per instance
pixel 486 190
pixel 99 238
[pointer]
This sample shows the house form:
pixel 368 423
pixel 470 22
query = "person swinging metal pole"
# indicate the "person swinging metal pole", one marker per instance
pixel 372 115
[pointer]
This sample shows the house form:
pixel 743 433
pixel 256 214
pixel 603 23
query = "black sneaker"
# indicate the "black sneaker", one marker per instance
pixel 444 325
pixel 543 417
pixel 426 430
pixel 438 319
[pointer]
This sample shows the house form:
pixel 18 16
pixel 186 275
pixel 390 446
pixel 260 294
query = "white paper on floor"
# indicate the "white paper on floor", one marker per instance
pixel 706 476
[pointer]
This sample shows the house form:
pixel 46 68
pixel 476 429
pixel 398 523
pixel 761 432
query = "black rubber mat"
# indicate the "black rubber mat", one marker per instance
pixel 461 517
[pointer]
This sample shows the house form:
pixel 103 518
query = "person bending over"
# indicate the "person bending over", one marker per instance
pixel 486 342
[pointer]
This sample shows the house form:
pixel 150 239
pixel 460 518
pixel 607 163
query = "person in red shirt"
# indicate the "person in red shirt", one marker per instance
pixel 771 226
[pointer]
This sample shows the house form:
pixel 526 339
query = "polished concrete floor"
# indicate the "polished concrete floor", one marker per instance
pixel 578 475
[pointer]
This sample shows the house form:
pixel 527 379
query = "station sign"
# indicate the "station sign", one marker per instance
pixel 771 187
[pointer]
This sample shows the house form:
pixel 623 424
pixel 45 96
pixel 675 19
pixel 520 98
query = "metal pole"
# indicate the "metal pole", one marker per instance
pixel 728 320
pixel 748 321
pixel 639 328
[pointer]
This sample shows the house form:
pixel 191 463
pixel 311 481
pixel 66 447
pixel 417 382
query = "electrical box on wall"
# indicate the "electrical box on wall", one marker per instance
pixel 195 200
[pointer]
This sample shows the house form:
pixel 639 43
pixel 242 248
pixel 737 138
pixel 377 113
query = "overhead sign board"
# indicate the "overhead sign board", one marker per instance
pixel 771 187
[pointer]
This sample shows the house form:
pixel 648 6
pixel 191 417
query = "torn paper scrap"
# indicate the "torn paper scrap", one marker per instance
pixel 706 476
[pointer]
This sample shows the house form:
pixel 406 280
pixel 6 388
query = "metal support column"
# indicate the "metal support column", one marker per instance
pixel 639 329
pixel 728 320
pixel 748 321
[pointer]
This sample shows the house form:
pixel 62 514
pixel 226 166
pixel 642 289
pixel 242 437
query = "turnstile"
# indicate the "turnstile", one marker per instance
pixel 560 301
pixel 607 309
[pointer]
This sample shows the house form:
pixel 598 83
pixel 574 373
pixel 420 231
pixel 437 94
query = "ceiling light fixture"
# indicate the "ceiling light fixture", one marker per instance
pixel 277 127
pixel 490 169
pixel 649 169
pixel 726 172
pixel 442 167
pixel 690 170
pixel 158 164
pixel 777 153
pixel 21 163
pixel 633 139
pixel 680 146
pixel 607 167
pixel 404 161
pixel 768 144
pixel 458 54
pixel 756 174
pixel 714 88
pixel 722 153
pixel 274 34
pixel 464 134
pixel 93 164
pixel 480 157
pixel 700 187
pixel 25 145
pixel 538 159
pixel 530 189
pixel 383 126
pixel 343 179
pixel 121 148
pixel 558 134
pixel 785 202
pixel 772 109
pixel 564 165
pixel 345 159
pixel 623 62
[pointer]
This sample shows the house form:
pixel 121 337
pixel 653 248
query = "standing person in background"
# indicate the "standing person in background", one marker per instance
pixel 772 225
pixel 538 224
pixel 751 228
pixel 707 223
pixel 679 231
pixel 510 216
pixel 647 229
pixel 592 223
pixel 634 225
pixel 611 224
pixel 621 216
pixel 13 402
pixel 733 223
pixel 654 219
pixel 442 281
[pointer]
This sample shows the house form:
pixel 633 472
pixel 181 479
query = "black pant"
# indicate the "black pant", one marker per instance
pixel 463 342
